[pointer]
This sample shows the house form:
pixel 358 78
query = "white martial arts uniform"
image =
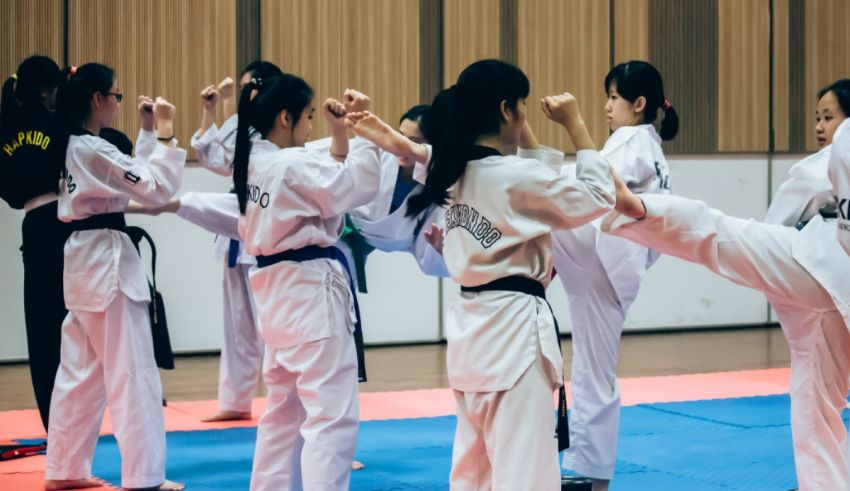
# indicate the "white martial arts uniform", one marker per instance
pixel 805 276
pixel 107 352
pixel 806 191
pixel 503 357
pixel 839 177
pixel 242 346
pixel 601 275
pixel 297 198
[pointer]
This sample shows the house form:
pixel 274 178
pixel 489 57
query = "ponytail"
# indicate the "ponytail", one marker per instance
pixel 24 91
pixel 280 93
pixel 8 107
pixel 636 78
pixel 458 117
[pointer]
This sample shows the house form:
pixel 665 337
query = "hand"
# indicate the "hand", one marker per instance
pixel 335 113
pixel 356 101
pixel 146 112
pixel 562 109
pixel 227 88
pixel 209 98
pixel 628 203
pixel 436 237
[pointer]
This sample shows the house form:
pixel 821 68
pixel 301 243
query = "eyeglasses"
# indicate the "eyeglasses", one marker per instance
pixel 118 97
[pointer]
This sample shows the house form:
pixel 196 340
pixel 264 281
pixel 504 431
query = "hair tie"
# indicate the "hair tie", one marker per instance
pixel 15 76
pixel 257 81
pixel 73 71
pixel 667 105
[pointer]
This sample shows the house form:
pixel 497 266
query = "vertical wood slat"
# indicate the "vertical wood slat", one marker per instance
pixel 743 88
pixel 29 27
pixel 631 30
pixel 781 74
pixel 176 50
pixel 564 47
pixel 471 32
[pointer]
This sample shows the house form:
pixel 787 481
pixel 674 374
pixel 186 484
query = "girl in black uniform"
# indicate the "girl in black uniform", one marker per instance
pixel 30 164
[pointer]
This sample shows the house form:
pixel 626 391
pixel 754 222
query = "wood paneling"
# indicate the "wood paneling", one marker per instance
pixel 827 53
pixel 564 47
pixel 29 27
pixel 375 49
pixel 631 30
pixel 781 74
pixel 683 46
pixel 470 33
pixel 158 48
pixel 743 88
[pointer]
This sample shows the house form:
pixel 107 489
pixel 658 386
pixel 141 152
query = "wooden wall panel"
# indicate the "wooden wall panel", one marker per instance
pixel 683 46
pixel 470 32
pixel 29 27
pixel 781 74
pixel 827 53
pixel 158 48
pixel 375 49
pixel 631 30
pixel 743 89
pixel 564 47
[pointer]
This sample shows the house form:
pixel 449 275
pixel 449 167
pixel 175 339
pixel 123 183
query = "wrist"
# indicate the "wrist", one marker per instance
pixel 165 129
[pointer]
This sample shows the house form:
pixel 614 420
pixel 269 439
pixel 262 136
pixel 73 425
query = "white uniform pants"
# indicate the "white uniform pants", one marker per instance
pixel 107 358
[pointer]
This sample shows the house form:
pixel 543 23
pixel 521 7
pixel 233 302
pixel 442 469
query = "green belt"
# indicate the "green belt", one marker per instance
pixel 360 250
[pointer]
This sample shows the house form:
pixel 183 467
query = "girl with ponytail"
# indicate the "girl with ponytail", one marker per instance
pixel 30 167
pixel 292 202
pixel 602 285
pixel 106 354
pixel 503 354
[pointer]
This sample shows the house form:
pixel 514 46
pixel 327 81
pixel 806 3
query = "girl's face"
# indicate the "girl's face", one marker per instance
pixel 827 118
pixel 413 132
pixel 105 106
pixel 513 121
pixel 620 112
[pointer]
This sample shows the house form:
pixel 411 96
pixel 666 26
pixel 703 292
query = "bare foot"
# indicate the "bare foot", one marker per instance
pixel 227 416
pixel 627 202
pixel 53 485
pixel 166 486
pixel 357 466
pixel 372 128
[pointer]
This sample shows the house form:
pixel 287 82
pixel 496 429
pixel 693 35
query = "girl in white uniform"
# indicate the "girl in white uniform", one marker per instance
pixel 242 347
pixel 503 355
pixel 807 191
pixel 601 274
pixel 107 353
pixel 804 273
pixel 293 201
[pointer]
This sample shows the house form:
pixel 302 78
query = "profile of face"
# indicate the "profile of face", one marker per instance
pixel 828 117
pixel 512 122
pixel 302 128
pixel 411 129
pixel 620 112
pixel 49 98
pixel 105 106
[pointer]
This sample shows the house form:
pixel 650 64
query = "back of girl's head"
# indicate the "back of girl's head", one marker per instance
pixel 636 78
pixel 261 69
pixel 274 95
pixel 26 89
pixel 841 90
pixel 416 114
pixel 459 116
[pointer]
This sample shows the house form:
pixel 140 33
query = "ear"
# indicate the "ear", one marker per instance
pixel 285 119
pixel 505 111
pixel 97 100
pixel 639 104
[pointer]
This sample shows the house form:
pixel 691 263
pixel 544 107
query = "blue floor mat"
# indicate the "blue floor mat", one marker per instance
pixel 728 444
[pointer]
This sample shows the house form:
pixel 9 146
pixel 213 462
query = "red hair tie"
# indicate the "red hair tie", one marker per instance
pixel 73 71
pixel 666 105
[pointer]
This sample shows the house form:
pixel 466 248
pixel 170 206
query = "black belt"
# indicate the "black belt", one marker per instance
pixel 309 253
pixel 528 286
pixel 111 221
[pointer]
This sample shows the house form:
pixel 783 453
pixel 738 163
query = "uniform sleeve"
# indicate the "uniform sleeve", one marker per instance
pixel 547 155
pixel 150 182
pixel 746 252
pixel 634 162
pixel 420 171
pixel 333 188
pixel 561 201
pixel 146 144
pixel 209 151
pixel 215 212
pixel 839 176
pixel 793 199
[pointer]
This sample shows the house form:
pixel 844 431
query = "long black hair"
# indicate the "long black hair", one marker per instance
pixel 73 103
pixel 23 91
pixel 460 115
pixel 841 89
pixel 261 70
pixel 636 78
pixel 284 92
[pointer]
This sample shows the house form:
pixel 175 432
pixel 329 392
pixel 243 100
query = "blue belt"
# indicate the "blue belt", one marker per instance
pixel 309 253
